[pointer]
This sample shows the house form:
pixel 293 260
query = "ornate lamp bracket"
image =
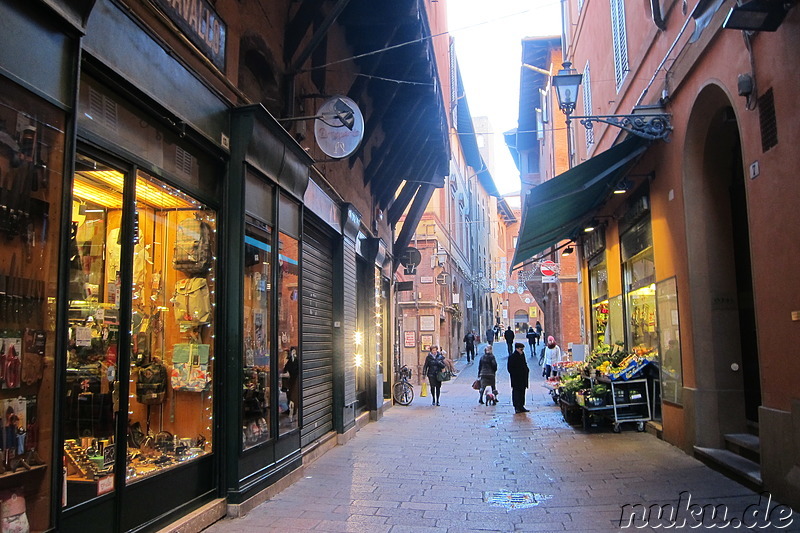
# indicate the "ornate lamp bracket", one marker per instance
pixel 651 126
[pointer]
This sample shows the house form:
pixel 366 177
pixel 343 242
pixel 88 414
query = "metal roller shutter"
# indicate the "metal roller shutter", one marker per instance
pixel 317 359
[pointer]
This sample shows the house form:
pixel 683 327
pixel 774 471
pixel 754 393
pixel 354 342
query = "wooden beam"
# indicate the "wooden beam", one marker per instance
pixel 421 200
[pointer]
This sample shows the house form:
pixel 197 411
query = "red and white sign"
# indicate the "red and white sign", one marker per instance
pixel 410 339
pixel 548 268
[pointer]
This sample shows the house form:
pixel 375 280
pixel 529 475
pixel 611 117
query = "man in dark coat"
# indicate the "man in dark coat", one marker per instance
pixel 518 371
pixel 469 344
pixel 509 336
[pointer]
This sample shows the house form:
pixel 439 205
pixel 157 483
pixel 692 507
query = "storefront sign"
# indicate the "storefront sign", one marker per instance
pixel 410 339
pixel 201 25
pixel 339 127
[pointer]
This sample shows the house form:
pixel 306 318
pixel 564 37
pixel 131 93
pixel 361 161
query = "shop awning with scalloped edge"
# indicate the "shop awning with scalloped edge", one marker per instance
pixel 556 209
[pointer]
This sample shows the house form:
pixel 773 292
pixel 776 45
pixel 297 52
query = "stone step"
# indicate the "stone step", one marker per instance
pixel 745 444
pixel 731 464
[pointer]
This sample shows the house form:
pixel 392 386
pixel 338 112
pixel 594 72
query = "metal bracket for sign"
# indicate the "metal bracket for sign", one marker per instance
pixel 651 126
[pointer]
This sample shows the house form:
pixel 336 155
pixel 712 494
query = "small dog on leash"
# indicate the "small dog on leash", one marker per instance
pixel 491 397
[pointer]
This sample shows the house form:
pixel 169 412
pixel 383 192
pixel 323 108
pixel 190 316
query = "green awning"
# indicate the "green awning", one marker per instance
pixel 556 209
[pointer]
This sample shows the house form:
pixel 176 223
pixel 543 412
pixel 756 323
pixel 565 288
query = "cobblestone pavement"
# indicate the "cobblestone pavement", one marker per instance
pixel 469 467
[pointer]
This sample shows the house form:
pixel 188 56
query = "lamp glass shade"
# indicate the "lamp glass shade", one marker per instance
pixel 566 83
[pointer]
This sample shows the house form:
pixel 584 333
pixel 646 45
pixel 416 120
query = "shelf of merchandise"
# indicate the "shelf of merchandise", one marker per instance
pixel 623 408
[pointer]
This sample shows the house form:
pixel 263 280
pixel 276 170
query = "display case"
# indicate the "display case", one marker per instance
pixel 31 158
pixel 167 254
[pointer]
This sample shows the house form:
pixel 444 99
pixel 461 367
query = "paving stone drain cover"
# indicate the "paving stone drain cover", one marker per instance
pixel 514 500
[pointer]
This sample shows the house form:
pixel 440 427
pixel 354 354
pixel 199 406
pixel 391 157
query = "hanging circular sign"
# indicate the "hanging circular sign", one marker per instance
pixel 548 268
pixel 520 289
pixel 339 127
pixel 511 289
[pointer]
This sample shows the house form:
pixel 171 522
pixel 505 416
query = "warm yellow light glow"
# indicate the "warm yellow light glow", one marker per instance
pixel 359 360
pixel 88 186
pixel 358 338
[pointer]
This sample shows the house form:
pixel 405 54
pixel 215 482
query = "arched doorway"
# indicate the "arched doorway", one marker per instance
pixel 727 393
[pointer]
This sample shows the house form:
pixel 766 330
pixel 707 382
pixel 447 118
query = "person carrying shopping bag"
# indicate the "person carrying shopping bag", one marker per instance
pixel 434 365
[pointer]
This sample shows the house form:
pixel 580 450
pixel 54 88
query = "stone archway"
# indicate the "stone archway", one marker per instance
pixel 726 393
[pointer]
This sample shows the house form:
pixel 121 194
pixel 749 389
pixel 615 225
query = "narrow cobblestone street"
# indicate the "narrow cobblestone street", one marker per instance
pixel 470 467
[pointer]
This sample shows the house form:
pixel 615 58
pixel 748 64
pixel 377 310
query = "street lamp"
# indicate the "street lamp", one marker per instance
pixel 642 122
pixel 567 82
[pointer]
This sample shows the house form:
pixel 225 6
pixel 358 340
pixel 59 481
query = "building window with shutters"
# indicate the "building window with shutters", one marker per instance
pixel 587 105
pixel 620 40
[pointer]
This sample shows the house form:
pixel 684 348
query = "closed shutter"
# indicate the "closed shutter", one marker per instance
pixel 350 323
pixel 317 357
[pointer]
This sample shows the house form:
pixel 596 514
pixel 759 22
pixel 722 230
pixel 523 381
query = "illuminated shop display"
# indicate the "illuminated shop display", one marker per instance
pixel 169 256
pixel 31 156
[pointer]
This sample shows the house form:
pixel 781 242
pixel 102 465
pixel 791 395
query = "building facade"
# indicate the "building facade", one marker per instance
pixel 687 265
pixel 199 201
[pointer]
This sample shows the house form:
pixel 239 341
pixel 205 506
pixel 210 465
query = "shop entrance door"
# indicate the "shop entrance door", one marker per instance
pixel 744 284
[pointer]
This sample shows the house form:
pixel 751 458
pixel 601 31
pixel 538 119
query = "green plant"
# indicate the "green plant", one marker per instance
pixel 599 390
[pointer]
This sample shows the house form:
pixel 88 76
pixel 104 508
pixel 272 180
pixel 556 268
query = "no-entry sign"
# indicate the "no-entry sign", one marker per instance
pixel 548 268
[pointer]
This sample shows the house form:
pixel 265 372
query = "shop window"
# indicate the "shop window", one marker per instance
pixel 640 303
pixel 168 254
pixel 598 289
pixel 521 321
pixel 615 326
pixel 257 295
pixel 31 157
pixel 669 342
pixel 288 332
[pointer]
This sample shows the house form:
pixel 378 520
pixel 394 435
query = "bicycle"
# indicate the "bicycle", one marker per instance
pixel 403 391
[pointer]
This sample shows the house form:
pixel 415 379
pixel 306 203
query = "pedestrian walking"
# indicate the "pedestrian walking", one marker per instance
pixel 487 370
pixel 434 363
pixel 469 344
pixel 490 336
pixel 496 329
pixel 509 336
pixel 518 371
pixel 552 354
pixel 532 338
pixel 538 329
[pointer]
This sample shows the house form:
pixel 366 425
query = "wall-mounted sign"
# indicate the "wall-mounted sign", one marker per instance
pixel 426 279
pixel 339 127
pixel 410 339
pixel 426 341
pixel 201 25
pixel 427 323
pixel 548 268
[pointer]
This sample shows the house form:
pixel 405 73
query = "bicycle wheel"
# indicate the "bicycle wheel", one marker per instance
pixel 403 393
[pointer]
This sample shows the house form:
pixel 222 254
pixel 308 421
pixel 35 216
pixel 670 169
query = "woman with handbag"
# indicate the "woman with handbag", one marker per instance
pixel 433 367
pixel 487 369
